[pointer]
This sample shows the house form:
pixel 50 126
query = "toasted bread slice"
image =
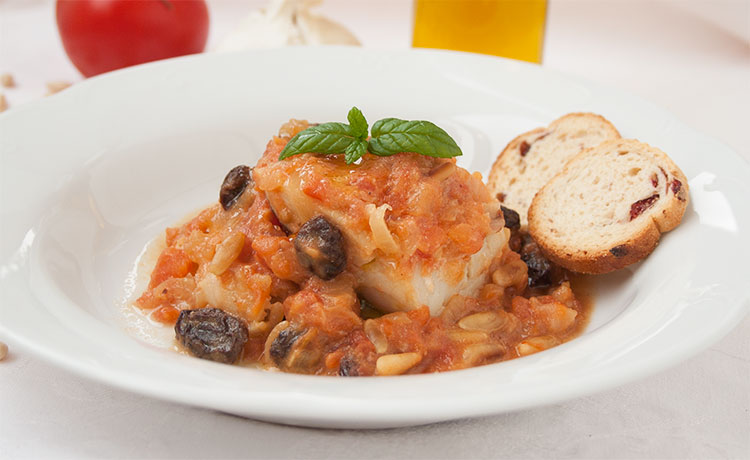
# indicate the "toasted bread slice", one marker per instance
pixel 608 207
pixel 531 159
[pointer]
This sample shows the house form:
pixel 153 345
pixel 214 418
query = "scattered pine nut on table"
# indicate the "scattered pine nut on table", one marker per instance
pixel 3 351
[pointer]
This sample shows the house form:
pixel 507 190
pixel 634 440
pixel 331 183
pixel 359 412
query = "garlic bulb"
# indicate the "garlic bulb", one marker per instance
pixel 286 22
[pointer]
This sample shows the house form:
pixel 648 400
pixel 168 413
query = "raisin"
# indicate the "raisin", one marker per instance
pixel 654 180
pixel 515 242
pixel 212 333
pixel 282 345
pixel 320 248
pixel 513 223
pixel 348 367
pixel 637 208
pixel 501 197
pixel 619 251
pixel 524 148
pixel 235 182
pixel 538 265
pixel 541 271
pixel 512 219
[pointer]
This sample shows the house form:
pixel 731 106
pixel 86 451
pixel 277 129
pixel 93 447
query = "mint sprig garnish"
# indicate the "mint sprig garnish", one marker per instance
pixel 326 138
pixel 355 151
pixel 357 123
pixel 389 137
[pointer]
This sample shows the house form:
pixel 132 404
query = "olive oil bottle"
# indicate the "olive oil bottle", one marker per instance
pixel 509 28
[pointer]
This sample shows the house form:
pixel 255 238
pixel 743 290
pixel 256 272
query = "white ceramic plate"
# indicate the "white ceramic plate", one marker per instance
pixel 92 174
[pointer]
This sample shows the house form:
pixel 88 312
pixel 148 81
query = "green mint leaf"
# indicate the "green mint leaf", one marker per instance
pixel 391 136
pixel 326 138
pixel 357 123
pixel 354 151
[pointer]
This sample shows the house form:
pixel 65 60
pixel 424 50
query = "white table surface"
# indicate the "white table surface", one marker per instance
pixel 691 57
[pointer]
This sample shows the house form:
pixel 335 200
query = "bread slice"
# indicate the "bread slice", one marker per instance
pixel 531 159
pixel 608 207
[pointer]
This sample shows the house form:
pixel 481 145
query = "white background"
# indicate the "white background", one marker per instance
pixel 691 57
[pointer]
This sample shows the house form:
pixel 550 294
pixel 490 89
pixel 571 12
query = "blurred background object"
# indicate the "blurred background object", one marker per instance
pixel 508 28
pixel 286 22
pixel 104 35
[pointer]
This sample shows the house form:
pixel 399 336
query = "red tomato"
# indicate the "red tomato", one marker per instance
pixel 104 35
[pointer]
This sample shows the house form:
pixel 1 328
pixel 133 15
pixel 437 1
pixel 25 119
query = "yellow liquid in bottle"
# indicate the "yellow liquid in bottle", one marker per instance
pixel 509 28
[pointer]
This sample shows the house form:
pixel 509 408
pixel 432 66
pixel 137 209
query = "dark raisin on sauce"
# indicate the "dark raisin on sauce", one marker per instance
pixel 513 223
pixel 512 219
pixel 320 248
pixel 212 333
pixel 235 182
pixel 542 272
pixel 282 345
pixel 348 367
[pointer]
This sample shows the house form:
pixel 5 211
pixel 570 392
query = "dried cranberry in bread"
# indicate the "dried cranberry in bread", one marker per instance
pixel 608 207
pixel 531 159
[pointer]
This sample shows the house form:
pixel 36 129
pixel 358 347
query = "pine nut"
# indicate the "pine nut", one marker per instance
pixel 474 354
pixel 556 316
pixel 397 364
pixel 376 336
pixel 454 309
pixel 56 86
pixel 3 351
pixel 511 274
pixel 485 321
pixel 467 336
pixel 536 344
pixel 7 80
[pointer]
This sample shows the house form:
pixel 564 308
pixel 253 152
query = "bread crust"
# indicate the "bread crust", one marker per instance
pixel 639 242
pixel 598 117
pixel 635 249
pixel 502 167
